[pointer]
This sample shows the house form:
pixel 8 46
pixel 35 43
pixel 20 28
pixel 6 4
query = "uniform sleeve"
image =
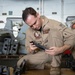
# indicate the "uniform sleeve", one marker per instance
pixel 28 39
pixel 68 36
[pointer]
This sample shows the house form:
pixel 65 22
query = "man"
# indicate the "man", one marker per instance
pixel 72 26
pixel 51 34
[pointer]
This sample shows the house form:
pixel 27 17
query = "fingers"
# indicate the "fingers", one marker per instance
pixel 32 46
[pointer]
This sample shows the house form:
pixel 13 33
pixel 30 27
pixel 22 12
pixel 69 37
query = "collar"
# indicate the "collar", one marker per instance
pixel 46 20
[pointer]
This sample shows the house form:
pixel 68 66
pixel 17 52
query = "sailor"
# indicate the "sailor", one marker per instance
pixel 50 33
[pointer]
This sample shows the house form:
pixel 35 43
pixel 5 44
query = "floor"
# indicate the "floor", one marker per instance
pixel 46 72
pixel 35 72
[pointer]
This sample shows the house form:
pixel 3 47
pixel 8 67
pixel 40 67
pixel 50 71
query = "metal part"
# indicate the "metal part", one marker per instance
pixel 69 20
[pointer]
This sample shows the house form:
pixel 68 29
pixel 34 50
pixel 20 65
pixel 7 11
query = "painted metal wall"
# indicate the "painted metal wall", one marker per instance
pixel 55 9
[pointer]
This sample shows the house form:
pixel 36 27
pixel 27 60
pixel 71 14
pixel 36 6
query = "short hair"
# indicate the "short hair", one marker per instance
pixel 28 11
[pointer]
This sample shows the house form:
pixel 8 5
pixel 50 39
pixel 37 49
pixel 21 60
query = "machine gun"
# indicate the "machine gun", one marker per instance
pixel 38 45
pixel 68 60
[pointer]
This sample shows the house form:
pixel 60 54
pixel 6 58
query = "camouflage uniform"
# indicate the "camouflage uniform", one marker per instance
pixel 53 33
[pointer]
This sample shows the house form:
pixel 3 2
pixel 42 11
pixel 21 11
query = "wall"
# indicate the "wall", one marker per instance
pixel 16 6
pixel 55 9
pixel 52 9
pixel 69 8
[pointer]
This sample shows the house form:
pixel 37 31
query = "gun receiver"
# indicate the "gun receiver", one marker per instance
pixel 38 45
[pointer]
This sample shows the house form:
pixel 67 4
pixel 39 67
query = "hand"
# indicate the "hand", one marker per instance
pixel 32 47
pixel 53 50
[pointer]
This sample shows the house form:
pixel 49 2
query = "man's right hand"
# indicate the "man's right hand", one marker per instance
pixel 32 47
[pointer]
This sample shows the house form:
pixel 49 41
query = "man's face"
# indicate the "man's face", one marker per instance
pixel 34 22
